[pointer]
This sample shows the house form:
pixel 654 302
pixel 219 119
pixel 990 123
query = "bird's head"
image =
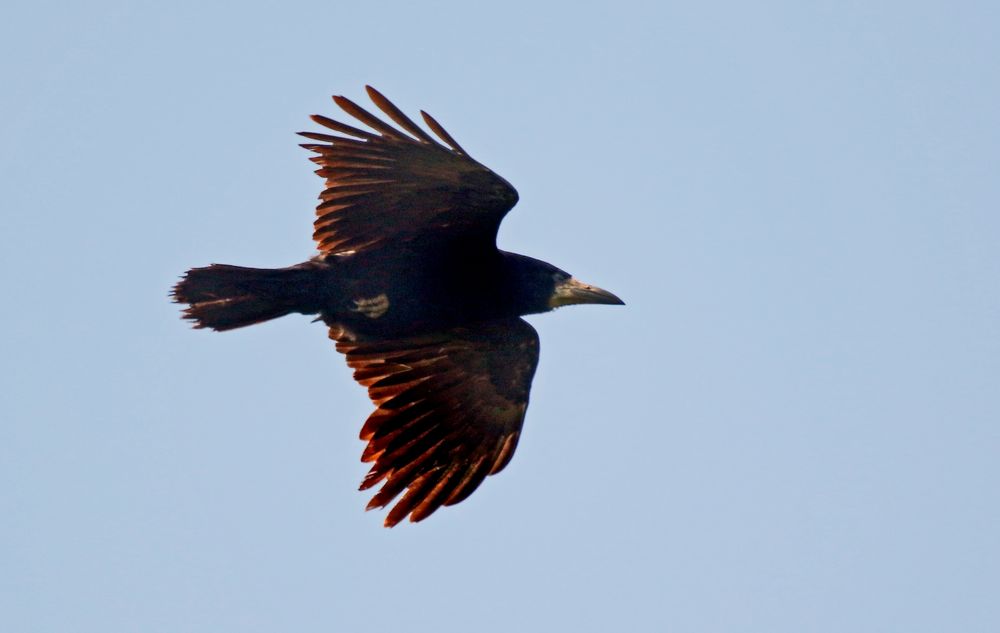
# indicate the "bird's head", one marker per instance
pixel 541 287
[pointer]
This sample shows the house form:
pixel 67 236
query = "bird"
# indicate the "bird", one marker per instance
pixel 416 294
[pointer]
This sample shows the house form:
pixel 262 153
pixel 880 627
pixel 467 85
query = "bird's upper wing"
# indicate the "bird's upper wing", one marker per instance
pixel 390 187
pixel 450 406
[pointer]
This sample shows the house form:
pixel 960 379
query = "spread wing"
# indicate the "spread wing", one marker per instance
pixel 450 406
pixel 389 186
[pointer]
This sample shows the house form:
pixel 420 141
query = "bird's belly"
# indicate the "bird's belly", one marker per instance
pixel 385 307
pixel 385 312
pixel 382 295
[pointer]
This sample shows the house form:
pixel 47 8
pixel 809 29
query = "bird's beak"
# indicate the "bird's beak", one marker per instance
pixel 574 291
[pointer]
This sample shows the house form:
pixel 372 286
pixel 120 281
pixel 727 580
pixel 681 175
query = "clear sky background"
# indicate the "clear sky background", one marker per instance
pixel 794 425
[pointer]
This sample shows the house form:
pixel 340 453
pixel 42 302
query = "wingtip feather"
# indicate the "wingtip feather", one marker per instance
pixel 442 133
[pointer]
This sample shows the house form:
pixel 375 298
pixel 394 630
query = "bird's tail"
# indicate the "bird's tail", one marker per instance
pixel 223 297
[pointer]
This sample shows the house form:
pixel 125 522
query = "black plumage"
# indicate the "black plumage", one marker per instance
pixel 417 296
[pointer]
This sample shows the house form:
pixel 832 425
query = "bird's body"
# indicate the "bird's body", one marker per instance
pixel 408 292
pixel 420 299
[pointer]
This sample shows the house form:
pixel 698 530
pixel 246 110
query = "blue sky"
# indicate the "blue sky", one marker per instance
pixel 792 426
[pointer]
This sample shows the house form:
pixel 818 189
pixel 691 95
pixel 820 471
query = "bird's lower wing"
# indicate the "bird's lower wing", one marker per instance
pixel 450 406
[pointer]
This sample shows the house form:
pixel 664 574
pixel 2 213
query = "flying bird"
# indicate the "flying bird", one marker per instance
pixel 416 295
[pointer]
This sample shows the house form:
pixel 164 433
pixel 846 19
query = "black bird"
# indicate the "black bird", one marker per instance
pixel 417 296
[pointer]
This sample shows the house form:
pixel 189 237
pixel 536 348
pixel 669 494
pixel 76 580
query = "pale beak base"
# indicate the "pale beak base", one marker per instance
pixel 573 291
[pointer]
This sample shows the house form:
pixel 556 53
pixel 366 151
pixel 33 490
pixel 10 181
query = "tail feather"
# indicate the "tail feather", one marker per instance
pixel 224 297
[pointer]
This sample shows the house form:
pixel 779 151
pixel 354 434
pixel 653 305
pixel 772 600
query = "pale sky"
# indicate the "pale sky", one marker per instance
pixel 793 426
